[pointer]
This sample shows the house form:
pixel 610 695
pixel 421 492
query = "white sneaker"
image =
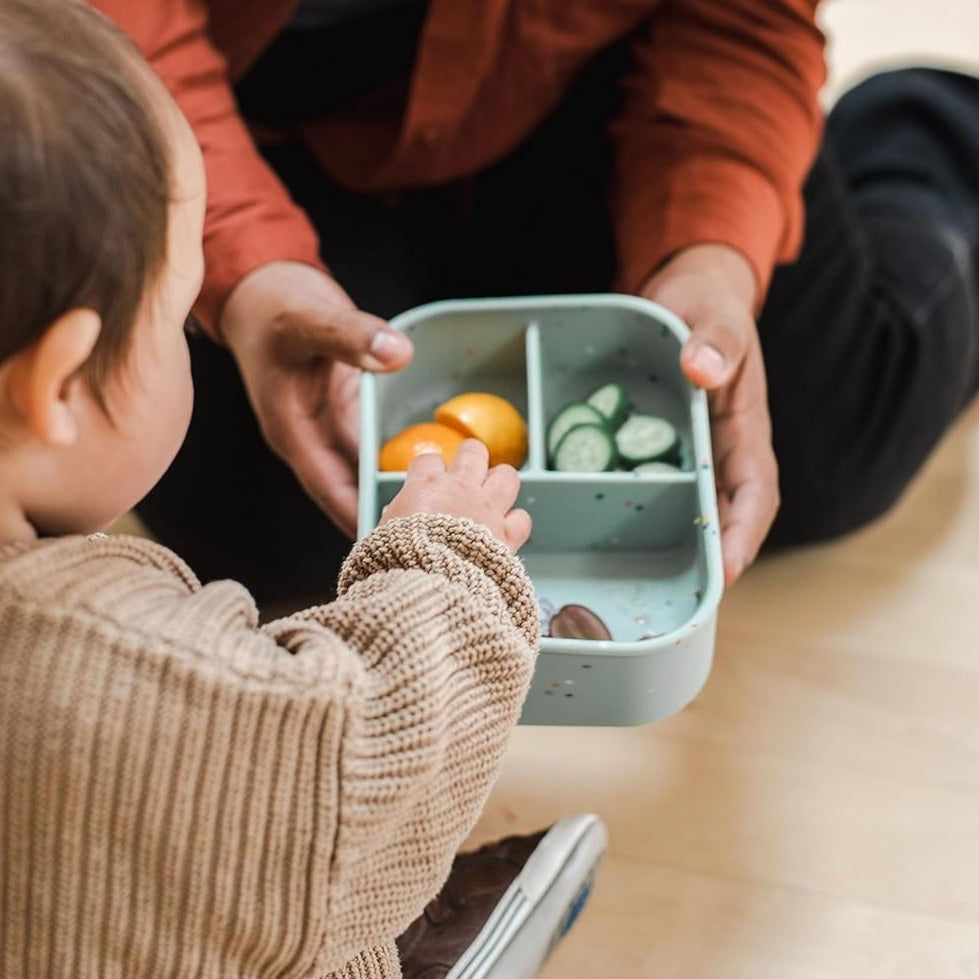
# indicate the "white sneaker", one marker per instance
pixel 506 905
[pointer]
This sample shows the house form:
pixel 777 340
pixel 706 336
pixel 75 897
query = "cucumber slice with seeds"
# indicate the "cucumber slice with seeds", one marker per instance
pixel 586 448
pixel 646 438
pixel 576 413
pixel 611 400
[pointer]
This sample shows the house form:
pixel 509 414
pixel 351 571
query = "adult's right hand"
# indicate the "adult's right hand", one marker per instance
pixel 298 340
pixel 713 288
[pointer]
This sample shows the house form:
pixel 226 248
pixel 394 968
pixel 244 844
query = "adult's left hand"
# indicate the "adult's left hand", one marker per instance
pixel 712 287
pixel 299 340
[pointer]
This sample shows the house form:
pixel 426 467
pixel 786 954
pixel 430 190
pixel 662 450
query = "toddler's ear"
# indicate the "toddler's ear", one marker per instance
pixel 44 375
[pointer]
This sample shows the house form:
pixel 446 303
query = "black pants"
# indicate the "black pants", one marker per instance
pixel 871 339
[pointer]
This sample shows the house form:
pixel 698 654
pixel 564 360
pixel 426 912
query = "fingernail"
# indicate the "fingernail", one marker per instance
pixel 708 360
pixel 388 345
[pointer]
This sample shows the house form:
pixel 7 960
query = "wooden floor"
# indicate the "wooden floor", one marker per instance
pixel 815 812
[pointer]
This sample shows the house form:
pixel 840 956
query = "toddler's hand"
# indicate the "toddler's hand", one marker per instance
pixel 467 488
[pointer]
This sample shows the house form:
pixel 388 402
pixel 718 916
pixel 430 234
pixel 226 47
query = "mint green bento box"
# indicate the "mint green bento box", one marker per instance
pixel 640 550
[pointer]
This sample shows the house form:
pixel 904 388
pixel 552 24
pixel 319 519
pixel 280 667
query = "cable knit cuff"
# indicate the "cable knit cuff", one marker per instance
pixel 380 962
pixel 434 543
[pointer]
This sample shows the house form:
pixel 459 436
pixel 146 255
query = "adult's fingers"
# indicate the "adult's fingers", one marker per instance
pixel 328 478
pixel 718 344
pixel 308 446
pixel 303 314
pixel 342 408
pixel 357 338
pixel 744 526
pixel 748 501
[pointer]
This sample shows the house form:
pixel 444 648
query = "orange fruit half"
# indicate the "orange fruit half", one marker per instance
pixel 398 451
pixel 492 420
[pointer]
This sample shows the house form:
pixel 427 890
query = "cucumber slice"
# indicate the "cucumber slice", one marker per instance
pixel 586 448
pixel 576 413
pixel 612 402
pixel 646 438
pixel 657 467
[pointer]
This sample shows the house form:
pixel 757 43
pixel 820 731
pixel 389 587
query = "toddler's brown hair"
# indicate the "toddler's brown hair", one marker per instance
pixel 84 177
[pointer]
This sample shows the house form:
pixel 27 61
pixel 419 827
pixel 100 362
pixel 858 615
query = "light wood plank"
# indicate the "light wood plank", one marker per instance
pixel 674 924
pixel 815 812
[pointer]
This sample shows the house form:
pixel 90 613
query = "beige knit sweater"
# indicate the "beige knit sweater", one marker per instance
pixel 186 793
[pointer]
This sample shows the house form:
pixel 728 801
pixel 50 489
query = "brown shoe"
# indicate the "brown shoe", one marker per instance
pixel 506 905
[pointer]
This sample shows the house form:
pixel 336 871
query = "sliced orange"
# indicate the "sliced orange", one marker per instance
pixel 398 451
pixel 492 420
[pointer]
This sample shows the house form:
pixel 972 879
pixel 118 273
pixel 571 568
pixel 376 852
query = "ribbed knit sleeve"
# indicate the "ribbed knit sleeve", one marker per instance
pixel 446 631
pixel 183 792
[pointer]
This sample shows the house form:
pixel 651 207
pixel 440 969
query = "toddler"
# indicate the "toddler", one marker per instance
pixel 184 791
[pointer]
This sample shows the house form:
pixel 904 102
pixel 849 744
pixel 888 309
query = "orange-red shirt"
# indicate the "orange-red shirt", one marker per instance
pixel 719 124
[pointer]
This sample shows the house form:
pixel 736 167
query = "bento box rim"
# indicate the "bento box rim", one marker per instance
pixel 700 432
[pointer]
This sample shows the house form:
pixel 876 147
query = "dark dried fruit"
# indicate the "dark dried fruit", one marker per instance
pixel 577 622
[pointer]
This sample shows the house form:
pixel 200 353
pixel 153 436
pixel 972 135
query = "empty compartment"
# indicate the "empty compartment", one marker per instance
pixel 629 550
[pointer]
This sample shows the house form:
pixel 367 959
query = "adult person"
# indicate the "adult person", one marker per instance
pixel 411 150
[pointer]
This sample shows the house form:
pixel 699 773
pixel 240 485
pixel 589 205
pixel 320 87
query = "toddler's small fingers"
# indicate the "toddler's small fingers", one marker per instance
pixel 426 464
pixel 516 527
pixel 502 483
pixel 470 461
